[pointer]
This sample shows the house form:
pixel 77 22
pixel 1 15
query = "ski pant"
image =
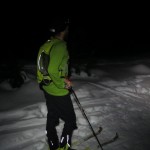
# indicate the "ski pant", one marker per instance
pixel 59 107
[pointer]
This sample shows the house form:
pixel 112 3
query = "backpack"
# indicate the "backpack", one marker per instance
pixel 43 62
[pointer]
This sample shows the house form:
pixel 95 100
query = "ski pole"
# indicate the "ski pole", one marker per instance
pixel 84 114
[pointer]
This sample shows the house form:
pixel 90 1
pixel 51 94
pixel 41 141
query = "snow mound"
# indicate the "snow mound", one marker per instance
pixel 140 69
pixel 6 86
pixel 97 73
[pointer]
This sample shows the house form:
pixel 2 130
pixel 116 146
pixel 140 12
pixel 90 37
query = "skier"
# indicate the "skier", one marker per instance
pixel 58 101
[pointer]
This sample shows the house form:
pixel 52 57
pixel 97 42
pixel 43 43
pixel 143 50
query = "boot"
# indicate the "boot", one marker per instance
pixel 53 145
pixel 66 147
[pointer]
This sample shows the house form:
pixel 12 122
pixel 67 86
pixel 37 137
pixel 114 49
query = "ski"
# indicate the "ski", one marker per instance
pixel 107 142
pixel 111 140
pixel 104 143
pixel 91 135
pixel 77 143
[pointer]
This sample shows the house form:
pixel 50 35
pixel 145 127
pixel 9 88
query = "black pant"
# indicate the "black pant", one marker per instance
pixel 59 107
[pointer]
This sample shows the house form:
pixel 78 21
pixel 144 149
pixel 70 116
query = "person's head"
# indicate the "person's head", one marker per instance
pixel 59 28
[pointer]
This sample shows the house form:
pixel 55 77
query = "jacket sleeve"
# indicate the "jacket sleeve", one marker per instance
pixel 56 57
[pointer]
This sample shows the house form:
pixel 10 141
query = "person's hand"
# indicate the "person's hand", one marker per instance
pixel 68 83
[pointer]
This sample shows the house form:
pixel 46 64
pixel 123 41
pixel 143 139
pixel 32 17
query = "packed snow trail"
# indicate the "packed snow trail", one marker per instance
pixel 117 105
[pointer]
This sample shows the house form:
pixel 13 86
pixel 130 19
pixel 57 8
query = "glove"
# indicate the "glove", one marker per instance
pixel 68 83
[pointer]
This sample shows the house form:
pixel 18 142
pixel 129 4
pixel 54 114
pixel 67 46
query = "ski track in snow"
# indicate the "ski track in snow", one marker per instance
pixel 126 108
pixel 117 106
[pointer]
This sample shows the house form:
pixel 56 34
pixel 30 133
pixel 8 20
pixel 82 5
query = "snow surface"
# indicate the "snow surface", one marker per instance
pixel 116 97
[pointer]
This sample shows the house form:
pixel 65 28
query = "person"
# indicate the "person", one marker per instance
pixel 58 100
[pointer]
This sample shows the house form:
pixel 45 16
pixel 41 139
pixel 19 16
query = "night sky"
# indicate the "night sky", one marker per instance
pixel 104 36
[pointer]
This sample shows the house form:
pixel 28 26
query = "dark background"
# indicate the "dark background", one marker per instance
pixel 107 36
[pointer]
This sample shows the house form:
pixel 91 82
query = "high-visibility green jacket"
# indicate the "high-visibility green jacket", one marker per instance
pixel 57 68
